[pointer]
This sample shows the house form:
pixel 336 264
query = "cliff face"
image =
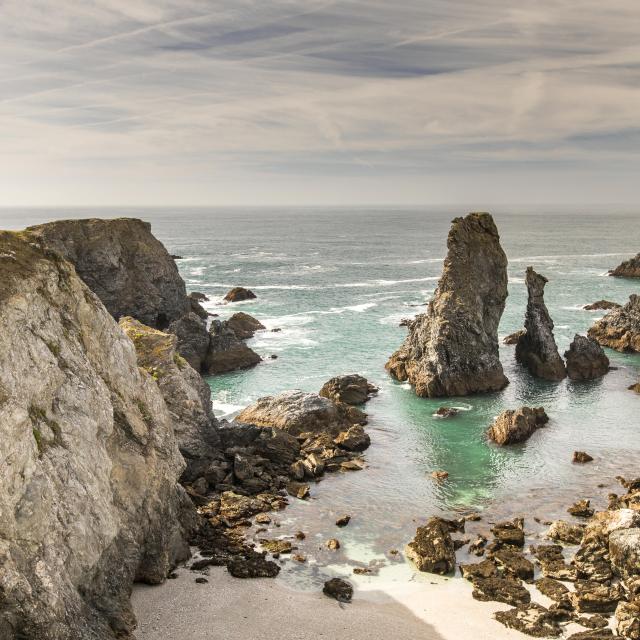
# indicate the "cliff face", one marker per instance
pixel 452 349
pixel 89 500
pixel 123 264
pixel 536 348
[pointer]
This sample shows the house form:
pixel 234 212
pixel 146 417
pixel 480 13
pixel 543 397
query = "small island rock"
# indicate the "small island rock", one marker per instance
pixel 239 294
pixel 585 359
pixel 517 425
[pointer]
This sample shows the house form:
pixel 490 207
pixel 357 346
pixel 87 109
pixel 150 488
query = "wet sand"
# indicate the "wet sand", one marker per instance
pixel 235 609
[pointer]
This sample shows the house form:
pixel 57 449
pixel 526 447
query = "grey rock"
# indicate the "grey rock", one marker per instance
pixel 90 500
pixel 452 349
pixel 226 351
pixel 244 325
pixel 193 339
pixel 585 359
pixel 536 348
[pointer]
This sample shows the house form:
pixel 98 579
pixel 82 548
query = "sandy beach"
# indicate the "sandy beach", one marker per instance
pixel 235 609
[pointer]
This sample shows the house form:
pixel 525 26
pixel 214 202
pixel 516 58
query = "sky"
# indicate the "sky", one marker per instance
pixel 319 102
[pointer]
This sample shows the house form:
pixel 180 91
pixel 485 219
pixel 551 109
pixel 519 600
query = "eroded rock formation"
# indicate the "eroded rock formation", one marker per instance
pixel 123 264
pixel 226 352
pixel 349 389
pixel 88 493
pixel 432 548
pixel 514 426
pixel 620 328
pixel 452 349
pixel 585 359
pixel 627 269
pixel 244 325
pixel 536 348
pixel 239 294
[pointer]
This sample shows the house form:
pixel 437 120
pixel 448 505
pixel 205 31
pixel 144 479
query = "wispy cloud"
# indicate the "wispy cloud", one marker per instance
pixel 126 94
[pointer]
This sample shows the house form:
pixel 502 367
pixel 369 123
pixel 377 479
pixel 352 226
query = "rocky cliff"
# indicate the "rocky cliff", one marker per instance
pixel 123 264
pixel 452 349
pixel 89 499
pixel 627 269
pixel 536 348
pixel 620 328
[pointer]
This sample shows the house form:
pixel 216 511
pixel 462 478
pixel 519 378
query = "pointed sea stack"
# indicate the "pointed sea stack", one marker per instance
pixel 452 349
pixel 536 348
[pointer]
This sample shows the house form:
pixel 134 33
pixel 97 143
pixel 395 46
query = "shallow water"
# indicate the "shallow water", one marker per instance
pixel 337 282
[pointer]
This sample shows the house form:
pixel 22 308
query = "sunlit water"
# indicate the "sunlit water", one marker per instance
pixel 337 283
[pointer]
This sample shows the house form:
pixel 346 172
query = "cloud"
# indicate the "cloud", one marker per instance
pixel 121 92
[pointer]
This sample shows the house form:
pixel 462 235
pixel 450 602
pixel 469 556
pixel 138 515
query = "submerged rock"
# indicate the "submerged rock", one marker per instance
pixel 586 359
pixel 239 294
pixel 536 349
pixel 123 264
pixel 446 412
pixel 349 389
pixel 244 325
pixel 620 328
pixel 581 457
pixel 601 305
pixel 627 269
pixel 517 425
pixel 452 349
pixel 432 549
pixel 226 352
pixel 338 589
pixel 89 491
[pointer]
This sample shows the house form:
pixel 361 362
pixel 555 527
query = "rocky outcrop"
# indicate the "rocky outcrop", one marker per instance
pixel 432 548
pixel 513 338
pixel 192 339
pixel 226 352
pixel 348 389
pixel 452 349
pixel 517 425
pixel 536 349
pixel 88 492
pixel 186 394
pixel 244 325
pixel 602 305
pixel 123 264
pixel 620 328
pixel 627 269
pixel 239 294
pixel 296 413
pixel 585 359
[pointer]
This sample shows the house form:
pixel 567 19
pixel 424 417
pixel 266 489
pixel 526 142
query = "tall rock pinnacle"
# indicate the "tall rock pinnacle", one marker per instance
pixel 452 349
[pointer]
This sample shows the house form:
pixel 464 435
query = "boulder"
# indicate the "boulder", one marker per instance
pixel 252 565
pixel 432 548
pixel 536 349
pixel 509 533
pixel 566 532
pixel 517 425
pixel 226 352
pixel 353 439
pixel 123 264
pixel 581 509
pixel 596 597
pixel 193 339
pixel 338 589
pixel 628 620
pixel 513 563
pixel 581 457
pixel 239 294
pixel 624 549
pixel 627 269
pixel 349 389
pixel 601 305
pixel 244 325
pixel 297 412
pixel 514 338
pixel 620 328
pixel 585 359
pixel 452 349
pixel 446 412
pixel 186 394
pixel 89 491
pixel 532 619
pixel 482 570
pixel 551 588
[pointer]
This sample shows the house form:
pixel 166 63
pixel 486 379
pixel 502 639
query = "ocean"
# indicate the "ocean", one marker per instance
pixel 337 282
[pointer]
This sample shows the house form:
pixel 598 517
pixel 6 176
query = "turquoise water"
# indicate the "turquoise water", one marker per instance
pixel 337 282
